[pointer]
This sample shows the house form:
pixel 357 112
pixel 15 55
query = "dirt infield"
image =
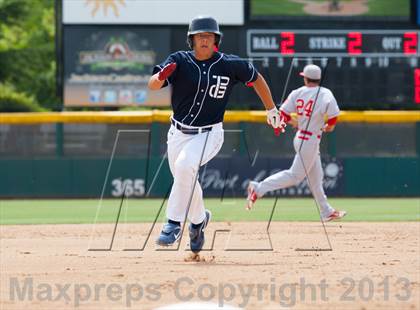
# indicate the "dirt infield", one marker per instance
pixel 372 266
pixel 344 8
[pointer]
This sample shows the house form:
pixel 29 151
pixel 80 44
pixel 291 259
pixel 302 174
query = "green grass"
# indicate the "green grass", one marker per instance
pixel 389 8
pixel 276 7
pixel 145 210
pixel 288 7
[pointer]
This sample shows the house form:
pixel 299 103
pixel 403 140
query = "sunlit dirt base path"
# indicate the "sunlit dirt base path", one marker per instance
pixel 344 8
pixel 372 266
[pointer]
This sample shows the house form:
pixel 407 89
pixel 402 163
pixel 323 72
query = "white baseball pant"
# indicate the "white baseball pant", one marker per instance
pixel 309 159
pixel 185 156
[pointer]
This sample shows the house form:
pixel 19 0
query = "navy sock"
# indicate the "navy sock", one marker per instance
pixel 174 222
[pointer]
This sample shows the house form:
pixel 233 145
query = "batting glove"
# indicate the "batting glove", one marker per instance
pixel 276 121
pixel 167 71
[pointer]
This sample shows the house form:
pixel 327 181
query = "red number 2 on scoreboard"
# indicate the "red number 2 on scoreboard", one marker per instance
pixel 410 43
pixel 287 43
pixel 302 107
pixel 355 43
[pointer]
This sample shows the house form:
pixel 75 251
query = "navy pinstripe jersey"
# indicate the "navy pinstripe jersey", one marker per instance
pixel 201 89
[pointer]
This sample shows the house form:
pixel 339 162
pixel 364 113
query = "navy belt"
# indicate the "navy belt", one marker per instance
pixel 190 131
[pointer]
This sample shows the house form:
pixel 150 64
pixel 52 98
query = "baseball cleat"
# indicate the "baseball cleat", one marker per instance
pixel 335 215
pixel 169 234
pixel 252 195
pixel 197 234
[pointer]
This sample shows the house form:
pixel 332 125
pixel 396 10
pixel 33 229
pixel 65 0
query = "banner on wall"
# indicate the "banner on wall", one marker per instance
pixel 111 66
pixel 153 12
pixel 228 178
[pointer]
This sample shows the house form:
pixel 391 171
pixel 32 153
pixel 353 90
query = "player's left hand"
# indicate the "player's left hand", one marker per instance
pixel 273 117
pixel 276 121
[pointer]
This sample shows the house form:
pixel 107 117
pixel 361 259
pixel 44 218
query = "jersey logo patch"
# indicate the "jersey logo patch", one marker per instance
pixel 218 90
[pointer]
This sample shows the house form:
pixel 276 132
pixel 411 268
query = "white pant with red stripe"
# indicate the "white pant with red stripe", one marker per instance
pixel 186 153
pixel 307 163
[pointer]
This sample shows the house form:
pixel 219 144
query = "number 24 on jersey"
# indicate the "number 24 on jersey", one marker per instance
pixel 303 107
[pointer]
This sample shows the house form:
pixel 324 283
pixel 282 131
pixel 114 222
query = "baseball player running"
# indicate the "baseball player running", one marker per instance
pixel 202 80
pixel 311 103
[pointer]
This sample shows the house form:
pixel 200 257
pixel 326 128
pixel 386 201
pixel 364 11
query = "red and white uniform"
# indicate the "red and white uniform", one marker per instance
pixel 311 108
pixel 302 102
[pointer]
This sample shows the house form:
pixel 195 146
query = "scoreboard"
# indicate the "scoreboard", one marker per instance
pixel 333 43
pixel 374 68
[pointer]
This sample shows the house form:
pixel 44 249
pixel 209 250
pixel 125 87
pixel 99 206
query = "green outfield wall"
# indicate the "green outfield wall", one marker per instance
pixel 364 177
pixel 88 154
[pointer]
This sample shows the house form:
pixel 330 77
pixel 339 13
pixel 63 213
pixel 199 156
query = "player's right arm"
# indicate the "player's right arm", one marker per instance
pixel 163 73
pixel 157 80
pixel 332 113
pixel 155 83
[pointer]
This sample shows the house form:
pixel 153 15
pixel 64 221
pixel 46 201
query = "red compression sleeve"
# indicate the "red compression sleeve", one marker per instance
pixel 332 121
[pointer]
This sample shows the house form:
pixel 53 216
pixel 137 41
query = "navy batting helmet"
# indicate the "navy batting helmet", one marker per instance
pixel 201 24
